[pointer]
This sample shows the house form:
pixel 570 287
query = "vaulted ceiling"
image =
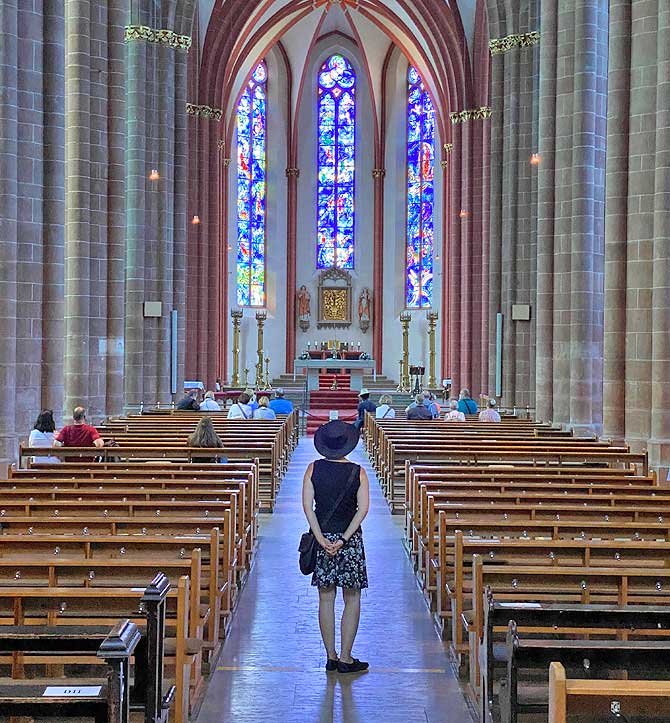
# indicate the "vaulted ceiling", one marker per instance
pixel 434 35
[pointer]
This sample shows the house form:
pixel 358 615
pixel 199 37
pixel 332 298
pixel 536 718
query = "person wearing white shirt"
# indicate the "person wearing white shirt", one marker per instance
pixel 385 410
pixel 241 408
pixel 453 415
pixel 490 414
pixel 209 404
pixel 43 435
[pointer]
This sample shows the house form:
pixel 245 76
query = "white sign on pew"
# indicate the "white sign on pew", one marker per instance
pixel 87 691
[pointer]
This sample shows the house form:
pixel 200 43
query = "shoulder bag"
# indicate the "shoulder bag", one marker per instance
pixel 308 545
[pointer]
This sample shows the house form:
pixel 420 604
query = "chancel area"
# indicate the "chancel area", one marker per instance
pixel 247 246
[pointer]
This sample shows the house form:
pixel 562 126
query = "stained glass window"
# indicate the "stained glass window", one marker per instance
pixel 420 193
pixel 336 179
pixel 251 189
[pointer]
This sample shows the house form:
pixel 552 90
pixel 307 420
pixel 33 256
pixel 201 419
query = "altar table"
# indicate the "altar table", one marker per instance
pixel 355 367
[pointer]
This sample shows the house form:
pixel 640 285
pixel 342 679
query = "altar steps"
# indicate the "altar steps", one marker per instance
pixel 324 400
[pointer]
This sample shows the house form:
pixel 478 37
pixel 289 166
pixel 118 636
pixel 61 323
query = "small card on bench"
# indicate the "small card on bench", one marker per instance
pixel 56 691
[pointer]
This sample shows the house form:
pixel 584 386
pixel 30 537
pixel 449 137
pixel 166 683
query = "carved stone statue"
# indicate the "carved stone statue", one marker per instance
pixel 364 310
pixel 304 312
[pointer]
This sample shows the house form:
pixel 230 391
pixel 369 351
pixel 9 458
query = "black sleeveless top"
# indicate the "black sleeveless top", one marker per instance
pixel 328 480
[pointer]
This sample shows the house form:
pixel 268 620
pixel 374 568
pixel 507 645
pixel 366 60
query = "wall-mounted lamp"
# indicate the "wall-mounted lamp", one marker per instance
pixel 535 159
pixel 154 175
pixel 195 221
pixel 462 213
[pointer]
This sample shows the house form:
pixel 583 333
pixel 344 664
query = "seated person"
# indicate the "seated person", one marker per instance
pixel 454 414
pixel 253 401
pixel 241 408
pixel 466 404
pixel 189 402
pixel 385 410
pixel 279 405
pixel 42 435
pixel 209 404
pixel 264 411
pixel 419 410
pixel 365 405
pixel 205 435
pixel 490 414
pixel 79 434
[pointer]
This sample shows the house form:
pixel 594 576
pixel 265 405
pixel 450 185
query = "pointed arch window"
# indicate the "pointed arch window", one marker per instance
pixel 252 189
pixel 336 164
pixel 420 193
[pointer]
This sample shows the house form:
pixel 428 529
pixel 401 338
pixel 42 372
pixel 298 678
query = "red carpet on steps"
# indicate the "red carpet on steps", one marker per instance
pixel 324 400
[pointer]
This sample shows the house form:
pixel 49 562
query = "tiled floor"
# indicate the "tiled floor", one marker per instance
pixel 271 668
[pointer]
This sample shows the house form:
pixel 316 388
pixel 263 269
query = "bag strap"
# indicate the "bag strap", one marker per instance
pixel 332 510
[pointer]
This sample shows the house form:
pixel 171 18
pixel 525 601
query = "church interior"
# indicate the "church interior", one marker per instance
pixel 229 225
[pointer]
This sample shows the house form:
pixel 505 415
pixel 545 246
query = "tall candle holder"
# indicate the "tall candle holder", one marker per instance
pixel 246 378
pixel 432 317
pixel 405 383
pixel 261 317
pixel 236 315
pixel 268 381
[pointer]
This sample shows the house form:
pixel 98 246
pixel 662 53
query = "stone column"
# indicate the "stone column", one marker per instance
pixel 77 201
pixel 8 226
pixel 544 305
pixel 659 444
pixel 616 220
pixel 136 180
pixel 53 321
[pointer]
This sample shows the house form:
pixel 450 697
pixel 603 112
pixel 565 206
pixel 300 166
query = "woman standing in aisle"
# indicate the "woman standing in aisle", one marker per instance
pixel 336 499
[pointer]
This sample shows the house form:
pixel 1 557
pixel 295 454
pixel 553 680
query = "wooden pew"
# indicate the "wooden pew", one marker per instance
pixel 107 699
pixel 92 607
pixel 595 699
pixel 600 658
pixel 564 620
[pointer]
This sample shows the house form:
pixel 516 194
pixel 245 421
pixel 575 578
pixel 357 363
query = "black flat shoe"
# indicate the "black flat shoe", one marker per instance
pixel 331 665
pixel 356 666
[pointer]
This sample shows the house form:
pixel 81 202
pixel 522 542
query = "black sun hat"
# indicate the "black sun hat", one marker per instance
pixel 335 439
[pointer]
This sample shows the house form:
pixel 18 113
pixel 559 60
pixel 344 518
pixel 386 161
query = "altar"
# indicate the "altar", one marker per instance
pixel 355 367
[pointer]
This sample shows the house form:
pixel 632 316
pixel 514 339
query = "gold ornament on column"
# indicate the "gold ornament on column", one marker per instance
pixel 432 317
pixel 236 315
pixel 405 384
pixel 261 317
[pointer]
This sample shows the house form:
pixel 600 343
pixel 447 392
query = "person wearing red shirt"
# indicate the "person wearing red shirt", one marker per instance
pixel 79 434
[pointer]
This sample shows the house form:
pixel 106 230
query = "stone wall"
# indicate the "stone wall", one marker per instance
pixel 637 271
pixel 66 150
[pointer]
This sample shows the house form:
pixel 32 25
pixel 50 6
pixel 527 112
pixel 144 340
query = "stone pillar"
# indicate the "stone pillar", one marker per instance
pixel 77 201
pixel 546 197
pixel 53 214
pixel 8 224
pixel 659 444
pixel 136 180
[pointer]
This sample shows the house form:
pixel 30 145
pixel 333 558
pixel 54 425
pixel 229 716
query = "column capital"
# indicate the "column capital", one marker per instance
pixel 292 173
pixel 378 172
pixel 204 111
pixel 498 46
pixel 160 36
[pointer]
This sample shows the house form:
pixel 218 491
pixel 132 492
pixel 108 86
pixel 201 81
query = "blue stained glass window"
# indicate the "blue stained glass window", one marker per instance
pixel 420 193
pixel 251 189
pixel 336 161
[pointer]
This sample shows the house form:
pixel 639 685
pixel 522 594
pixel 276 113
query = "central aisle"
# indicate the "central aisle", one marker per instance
pixel 271 668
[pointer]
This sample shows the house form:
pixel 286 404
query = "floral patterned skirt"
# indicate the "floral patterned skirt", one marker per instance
pixel 346 569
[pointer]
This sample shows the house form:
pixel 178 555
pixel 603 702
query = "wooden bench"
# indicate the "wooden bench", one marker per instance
pixel 592 658
pixel 557 620
pixel 106 699
pixel 647 700
pixel 92 607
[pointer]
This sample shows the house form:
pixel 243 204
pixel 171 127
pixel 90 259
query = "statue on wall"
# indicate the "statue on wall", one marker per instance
pixel 364 310
pixel 304 313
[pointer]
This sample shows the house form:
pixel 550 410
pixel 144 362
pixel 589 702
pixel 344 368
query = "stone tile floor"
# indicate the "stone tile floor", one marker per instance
pixel 271 667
